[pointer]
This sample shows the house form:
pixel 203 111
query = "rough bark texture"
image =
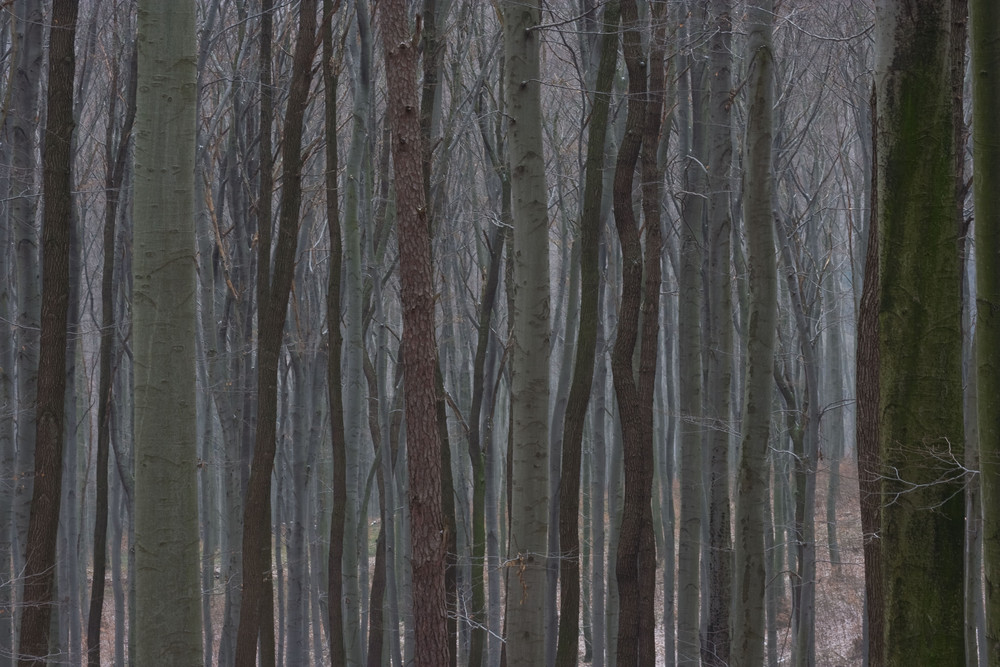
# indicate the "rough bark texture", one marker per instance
pixel 528 496
pixel 867 428
pixel 921 439
pixel 985 26
pixel 256 612
pixel 640 284
pixel 419 349
pixel 567 650
pixel 430 111
pixel 752 476
pixel 40 550
pixel 167 588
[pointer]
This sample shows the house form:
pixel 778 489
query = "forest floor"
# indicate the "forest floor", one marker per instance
pixel 839 586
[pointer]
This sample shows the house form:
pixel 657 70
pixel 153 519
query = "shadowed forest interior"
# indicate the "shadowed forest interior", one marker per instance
pixel 513 333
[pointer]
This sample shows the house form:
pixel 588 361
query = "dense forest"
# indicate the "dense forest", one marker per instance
pixel 455 332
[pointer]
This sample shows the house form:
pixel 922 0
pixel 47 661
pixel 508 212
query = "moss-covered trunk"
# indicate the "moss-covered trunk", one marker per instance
pixel 984 26
pixel 921 438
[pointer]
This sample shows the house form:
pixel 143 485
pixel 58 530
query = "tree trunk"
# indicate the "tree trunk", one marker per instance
pixel 921 438
pixel 598 492
pixel 485 501
pixel 335 583
pixel 984 26
pixel 27 24
pixel 430 111
pixel 567 650
pixel 40 550
pixel 256 611
pixel 689 364
pixel 526 558
pixel 752 477
pixel 419 350
pixel 355 218
pixel 640 289
pixel 719 337
pixel 167 589
pixel 867 429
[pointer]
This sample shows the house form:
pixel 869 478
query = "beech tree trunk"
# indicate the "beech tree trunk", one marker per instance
pixel 167 587
pixel 921 439
pixel 527 557
pixel 752 476
pixel 20 128
pixel 689 351
pixel 719 336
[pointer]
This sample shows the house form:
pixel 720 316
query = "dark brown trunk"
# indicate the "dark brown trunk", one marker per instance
pixel 869 467
pixel 56 223
pixel 256 612
pixel 428 543
pixel 432 53
pixel 335 568
pixel 636 561
pixel 567 651
pixel 338 443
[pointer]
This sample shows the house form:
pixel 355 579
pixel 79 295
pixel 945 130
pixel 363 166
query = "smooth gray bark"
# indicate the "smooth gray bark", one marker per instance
pixel 527 557
pixel 168 595
pixel 20 129
pixel 353 384
pixel 718 358
pixel 689 536
pixel 752 477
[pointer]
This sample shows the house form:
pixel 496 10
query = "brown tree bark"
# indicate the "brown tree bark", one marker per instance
pixel 869 481
pixel 56 222
pixel 641 273
pixel 418 344
pixel 256 610
pixel 430 99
